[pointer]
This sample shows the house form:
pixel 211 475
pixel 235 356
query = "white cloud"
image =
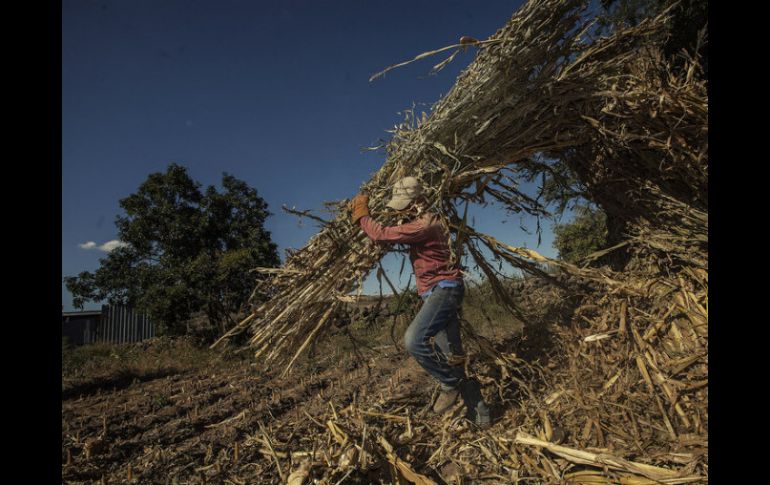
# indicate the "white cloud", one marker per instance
pixel 106 247
pixel 110 245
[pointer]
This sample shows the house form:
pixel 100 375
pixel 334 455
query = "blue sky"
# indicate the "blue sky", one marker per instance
pixel 275 93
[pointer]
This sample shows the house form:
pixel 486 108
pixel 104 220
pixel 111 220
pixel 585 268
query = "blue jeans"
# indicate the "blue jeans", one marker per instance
pixel 438 319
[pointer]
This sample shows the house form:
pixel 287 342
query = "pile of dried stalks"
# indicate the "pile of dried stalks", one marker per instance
pixel 628 384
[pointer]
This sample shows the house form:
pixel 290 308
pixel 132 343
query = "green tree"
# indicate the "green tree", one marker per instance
pixel 587 233
pixel 186 251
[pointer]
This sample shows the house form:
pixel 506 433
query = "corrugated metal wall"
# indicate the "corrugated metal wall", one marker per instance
pixel 121 325
pixel 80 330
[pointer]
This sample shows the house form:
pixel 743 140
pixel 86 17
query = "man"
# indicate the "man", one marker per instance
pixel 440 285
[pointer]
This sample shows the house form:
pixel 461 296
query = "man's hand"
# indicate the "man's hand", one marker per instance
pixel 359 206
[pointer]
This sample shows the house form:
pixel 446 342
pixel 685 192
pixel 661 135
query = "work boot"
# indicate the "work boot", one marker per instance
pixel 445 400
pixel 478 411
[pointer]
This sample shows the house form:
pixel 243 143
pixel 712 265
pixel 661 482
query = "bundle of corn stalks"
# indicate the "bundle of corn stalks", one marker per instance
pixel 552 430
pixel 631 375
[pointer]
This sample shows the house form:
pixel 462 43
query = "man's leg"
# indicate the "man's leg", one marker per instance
pixel 447 340
pixel 439 310
pixel 438 318
pixel 447 343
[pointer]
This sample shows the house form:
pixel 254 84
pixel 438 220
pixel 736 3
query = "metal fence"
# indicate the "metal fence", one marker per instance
pixel 80 327
pixel 120 324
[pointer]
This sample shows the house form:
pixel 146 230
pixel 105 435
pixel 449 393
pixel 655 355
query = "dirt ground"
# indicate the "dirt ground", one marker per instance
pixel 181 427
pixel 185 417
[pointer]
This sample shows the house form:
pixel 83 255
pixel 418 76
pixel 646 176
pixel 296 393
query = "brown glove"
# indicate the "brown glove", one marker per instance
pixel 359 206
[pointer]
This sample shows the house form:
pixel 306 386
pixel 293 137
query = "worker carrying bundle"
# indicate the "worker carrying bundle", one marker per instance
pixel 440 285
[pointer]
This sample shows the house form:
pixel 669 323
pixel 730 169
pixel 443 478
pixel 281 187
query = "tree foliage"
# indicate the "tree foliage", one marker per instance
pixel 188 251
pixel 585 234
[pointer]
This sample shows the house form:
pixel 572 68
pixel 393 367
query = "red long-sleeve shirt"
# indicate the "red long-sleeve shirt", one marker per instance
pixel 428 248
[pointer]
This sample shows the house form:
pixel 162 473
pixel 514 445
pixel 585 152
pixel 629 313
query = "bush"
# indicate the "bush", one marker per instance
pixel 586 234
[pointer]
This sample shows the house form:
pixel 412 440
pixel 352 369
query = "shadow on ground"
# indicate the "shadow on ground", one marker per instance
pixel 115 382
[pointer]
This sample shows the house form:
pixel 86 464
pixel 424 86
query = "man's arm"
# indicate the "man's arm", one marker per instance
pixel 409 233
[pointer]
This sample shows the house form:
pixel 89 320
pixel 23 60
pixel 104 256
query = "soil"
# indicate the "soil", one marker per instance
pixel 166 428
